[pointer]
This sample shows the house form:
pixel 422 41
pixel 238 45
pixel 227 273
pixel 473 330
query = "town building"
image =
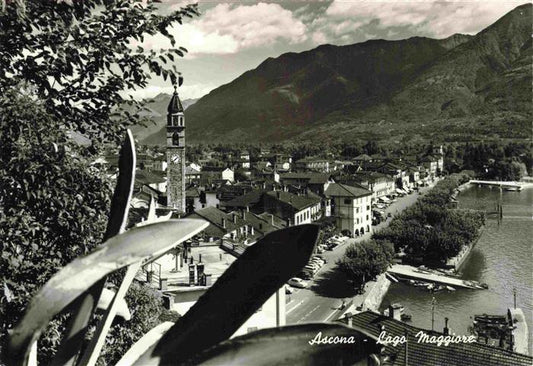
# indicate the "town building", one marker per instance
pixel 213 173
pixel 312 164
pixel 351 207
pixel 315 182
pixel 245 159
pixel 294 209
pixel 192 174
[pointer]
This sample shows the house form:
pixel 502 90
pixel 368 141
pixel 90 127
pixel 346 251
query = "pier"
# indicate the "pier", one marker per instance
pixel 494 183
pixel 409 272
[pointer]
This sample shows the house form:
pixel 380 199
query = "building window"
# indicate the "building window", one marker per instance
pixel 175 139
pixel 180 121
pixel 368 207
pixel 347 201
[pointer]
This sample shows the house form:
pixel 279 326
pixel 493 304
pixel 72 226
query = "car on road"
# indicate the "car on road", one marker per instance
pixel 297 282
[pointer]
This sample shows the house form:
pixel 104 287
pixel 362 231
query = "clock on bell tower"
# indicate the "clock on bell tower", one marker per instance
pixel 176 153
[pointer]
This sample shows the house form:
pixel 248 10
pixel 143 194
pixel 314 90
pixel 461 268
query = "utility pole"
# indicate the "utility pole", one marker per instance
pixel 514 296
pixel 406 357
pixel 433 302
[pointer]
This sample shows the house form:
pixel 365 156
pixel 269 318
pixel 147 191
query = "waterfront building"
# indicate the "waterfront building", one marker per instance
pixel 351 207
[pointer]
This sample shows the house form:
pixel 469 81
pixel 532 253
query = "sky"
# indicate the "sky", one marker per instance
pixel 229 38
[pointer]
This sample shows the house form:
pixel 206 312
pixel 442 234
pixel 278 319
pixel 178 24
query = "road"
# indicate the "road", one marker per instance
pixel 321 301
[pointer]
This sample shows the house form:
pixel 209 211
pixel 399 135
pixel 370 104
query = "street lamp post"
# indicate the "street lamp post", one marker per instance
pixel 433 302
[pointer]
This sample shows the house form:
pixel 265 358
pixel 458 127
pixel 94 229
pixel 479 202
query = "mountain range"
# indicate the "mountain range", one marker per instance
pixel 153 133
pixel 457 89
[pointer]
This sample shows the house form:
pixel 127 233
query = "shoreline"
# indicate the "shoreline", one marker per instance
pixel 457 261
pixel 378 292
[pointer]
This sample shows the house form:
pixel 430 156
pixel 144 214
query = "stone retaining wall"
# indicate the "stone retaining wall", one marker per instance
pixel 376 294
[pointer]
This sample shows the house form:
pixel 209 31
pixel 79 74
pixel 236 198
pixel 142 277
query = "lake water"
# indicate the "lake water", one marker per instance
pixel 502 258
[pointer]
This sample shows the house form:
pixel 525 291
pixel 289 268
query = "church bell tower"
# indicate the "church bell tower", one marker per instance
pixel 176 153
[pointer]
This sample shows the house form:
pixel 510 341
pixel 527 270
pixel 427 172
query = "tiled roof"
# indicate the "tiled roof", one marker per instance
pixel 342 190
pixel 259 224
pixel 149 177
pixel 213 169
pixel 312 178
pixel 312 159
pixel 374 176
pixel 278 221
pixel 429 354
pixel 191 170
pixel 297 202
pixel 247 200
pixel 215 216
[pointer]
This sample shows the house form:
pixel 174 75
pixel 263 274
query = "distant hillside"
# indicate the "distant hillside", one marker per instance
pixel 454 88
pixel 157 115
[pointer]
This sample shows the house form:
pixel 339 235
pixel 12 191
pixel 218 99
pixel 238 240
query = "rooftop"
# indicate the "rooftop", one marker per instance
pixel 343 190
pixel 215 216
pixel 429 354
pixel 312 178
pixel 247 200
pixel 294 200
pixel 175 104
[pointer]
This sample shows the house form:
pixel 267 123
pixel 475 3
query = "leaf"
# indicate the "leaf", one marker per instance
pixel 73 280
pixel 245 286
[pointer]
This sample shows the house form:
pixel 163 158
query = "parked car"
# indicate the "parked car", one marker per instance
pixel 297 282
pixel 321 257
pixel 288 290
pixel 306 274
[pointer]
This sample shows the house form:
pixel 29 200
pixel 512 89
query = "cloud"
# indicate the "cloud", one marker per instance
pixel 425 18
pixel 254 25
pixel 227 29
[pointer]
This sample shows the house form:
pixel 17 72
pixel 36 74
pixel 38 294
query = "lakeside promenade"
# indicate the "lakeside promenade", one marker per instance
pixel 322 300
